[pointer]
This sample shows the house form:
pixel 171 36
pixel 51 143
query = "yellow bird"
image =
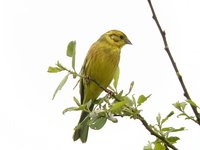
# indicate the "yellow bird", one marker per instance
pixel 100 65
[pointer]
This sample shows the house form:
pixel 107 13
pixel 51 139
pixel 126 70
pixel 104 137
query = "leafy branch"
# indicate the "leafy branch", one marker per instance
pixel 115 104
pixel 166 47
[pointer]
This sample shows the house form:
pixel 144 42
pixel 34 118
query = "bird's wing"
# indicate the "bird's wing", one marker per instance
pixel 84 72
pixel 82 86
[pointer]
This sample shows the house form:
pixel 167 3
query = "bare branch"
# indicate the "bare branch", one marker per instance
pixel 163 34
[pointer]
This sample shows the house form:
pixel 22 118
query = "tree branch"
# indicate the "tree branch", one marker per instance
pixel 163 34
pixel 111 93
pixel 144 122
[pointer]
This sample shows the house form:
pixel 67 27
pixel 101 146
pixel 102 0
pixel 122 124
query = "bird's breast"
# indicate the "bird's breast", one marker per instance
pixel 103 66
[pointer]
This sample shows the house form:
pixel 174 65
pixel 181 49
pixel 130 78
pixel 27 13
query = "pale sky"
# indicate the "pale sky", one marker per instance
pixel 36 34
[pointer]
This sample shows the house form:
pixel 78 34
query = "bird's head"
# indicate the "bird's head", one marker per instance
pixel 116 38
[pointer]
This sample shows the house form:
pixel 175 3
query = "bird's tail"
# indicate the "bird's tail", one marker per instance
pixel 81 130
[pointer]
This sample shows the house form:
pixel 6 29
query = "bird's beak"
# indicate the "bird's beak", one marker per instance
pixel 128 42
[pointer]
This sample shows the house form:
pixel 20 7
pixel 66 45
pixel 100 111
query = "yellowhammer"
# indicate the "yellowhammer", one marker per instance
pixel 100 65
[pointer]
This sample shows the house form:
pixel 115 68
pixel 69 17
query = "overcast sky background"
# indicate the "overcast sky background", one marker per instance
pixel 35 35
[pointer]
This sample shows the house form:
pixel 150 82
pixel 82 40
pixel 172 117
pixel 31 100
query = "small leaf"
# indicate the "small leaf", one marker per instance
pixel 62 83
pixel 77 101
pixel 88 104
pixel 116 107
pixel 134 101
pixel 81 107
pixel 159 146
pixel 167 117
pixel 60 66
pixel 129 101
pixel 54 69
pixel 71 48
pixel 130 88
pixel 142 99
pixel 98 101
pixel 73 62
pixel 71 52
pixel 158 118
pixel 111 118
pixel 180 106
pixel 116 77
pixel 71 109
pixel 173 139
pixel 171 129
pixel 182 114
pixel 119 95
pixel 97 123
pixel 167 129
pixel 179 129
pixel 148 146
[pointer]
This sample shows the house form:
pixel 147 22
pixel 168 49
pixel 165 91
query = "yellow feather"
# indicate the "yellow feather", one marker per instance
pixel 100 65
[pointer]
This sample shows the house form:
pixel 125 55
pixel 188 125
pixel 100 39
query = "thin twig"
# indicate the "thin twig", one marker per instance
pixel 163 34
pixel 144 122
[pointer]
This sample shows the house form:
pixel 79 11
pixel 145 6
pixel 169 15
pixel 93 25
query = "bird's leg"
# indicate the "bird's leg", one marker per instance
pixel 87 79
pixel 110 93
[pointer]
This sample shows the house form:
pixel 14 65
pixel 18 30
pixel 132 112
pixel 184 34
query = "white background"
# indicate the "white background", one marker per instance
pixel 35 35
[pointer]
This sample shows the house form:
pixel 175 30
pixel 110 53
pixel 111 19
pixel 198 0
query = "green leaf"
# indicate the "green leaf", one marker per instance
pixel 54 69
pixel 73 62
pixel 60 66
pixel 97 123
pixel 129 101
pixel 62 83
pixel 167 117
pixel 71 52
pixel 71 109
pixel 119 95
pixel 180 105
pixel 167 129
pixel 148 146
pixel 116 77
pixel 77 101
pixel 173 139
pixel 81 107
pixel 179 129
pixel 88 104
pixel 130 88
pixel 159 146
pixel 71 48
pixel 142 99
pixel 111 118
pixel 98 101
pixel 116 107
pixel 158 118
pixel 171 129
pixel 134 101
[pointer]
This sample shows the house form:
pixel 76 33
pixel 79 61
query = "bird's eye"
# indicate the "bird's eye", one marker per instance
pixel 121 37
